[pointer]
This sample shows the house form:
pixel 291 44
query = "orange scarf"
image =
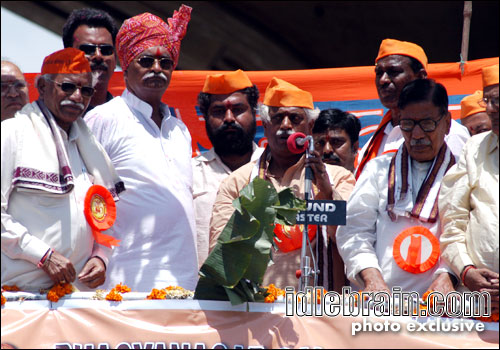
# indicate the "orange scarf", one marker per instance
pixel 374 145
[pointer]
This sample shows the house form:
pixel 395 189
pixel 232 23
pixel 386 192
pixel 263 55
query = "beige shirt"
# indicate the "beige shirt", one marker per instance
pixel 208 173
pixel 282 272
pixel 468 206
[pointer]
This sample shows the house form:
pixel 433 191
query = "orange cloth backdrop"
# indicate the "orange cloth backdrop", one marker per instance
pixel 351 89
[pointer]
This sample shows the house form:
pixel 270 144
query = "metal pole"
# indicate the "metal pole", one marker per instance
pixel 465 35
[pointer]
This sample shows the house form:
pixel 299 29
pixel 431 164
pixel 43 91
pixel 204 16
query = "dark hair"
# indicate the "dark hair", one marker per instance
pixel 88 16
pixel 204 99
pixel 333 118
pixel 415 65
pixel 420 90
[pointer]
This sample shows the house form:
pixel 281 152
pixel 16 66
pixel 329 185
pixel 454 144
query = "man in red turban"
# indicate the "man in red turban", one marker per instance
pixel 151 149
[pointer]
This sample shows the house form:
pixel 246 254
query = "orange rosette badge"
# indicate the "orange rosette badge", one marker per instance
pixel 422 249
pixel 100 212
pixel 291 236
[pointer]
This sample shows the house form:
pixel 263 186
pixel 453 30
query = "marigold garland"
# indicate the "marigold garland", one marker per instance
pixel 114 295
pixel 157 294
pixel 4 300
pixel 273 293
pixel 13 288
pixel 58 291
pixel 121 288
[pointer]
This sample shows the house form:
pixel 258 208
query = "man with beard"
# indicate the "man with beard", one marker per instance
pixel 14 90
pixel 469 202
pixel 336 137
pixel 50 161
pixel 151 150
pixel 398 63
pixel 228 103
pixel 94 32
pixel 286 109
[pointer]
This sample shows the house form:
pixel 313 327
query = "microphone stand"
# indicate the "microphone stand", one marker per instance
pixel 305 267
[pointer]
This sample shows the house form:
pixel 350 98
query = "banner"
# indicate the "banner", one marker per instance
pixel 349 89
pixel 191 324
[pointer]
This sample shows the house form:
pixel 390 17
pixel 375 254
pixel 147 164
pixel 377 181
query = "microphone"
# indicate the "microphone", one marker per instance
pixel 298 142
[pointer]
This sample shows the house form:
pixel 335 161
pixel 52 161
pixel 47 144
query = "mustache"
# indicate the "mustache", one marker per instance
pixel 331 156
pixel 227 126
pixel 98 65
pixel 160 75
pixel 73 104
pixel 420 142
pixel 281 132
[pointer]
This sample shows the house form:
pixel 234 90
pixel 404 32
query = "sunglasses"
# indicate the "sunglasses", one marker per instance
pixel 148 61
pixel 70 88
pixel 90 49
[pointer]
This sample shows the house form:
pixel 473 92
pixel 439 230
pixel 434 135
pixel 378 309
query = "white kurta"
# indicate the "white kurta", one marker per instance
pixel 34 221
pixel 155 215
pixel 468 206
pixel 368 237
pixel 208 173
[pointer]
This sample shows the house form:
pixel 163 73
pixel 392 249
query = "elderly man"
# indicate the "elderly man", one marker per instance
pixel 151 150
pixel 228 103
pixel 287 109
pixel 468 205
pixel 472 115
pixel 94 32
pixel 50 160
pixel 398 63
pixel 14 90
pixel 336 137
pixel 391 236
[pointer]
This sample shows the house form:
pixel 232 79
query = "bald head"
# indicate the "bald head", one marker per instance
pixel 14 89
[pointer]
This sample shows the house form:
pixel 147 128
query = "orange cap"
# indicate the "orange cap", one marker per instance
pixel 490 75
pixel 226 83
pixel 470 105
pixel 66 61
pixel 279 93
pixel 395 47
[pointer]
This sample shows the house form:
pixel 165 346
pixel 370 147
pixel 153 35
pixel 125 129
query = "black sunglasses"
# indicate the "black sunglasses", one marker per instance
pixel 90 49
pixel 148 61
pixel 70 88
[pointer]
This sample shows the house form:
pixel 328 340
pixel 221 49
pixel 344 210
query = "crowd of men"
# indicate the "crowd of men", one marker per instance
pixel 98 190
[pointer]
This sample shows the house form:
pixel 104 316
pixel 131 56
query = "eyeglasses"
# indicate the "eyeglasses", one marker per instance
pixel 486 100
pixel 90 49
pixel 18 85
pixel 148 61
pixel 427 125
pixel 70 88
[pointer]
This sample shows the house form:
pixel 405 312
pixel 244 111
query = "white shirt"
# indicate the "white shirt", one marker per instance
pixel 208 172
pixel 368 237
pixel 34 221
pixel 393 138
pixel 155 216
pixel 468 206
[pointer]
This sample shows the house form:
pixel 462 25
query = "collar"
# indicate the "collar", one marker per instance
pixel 493 142
pixel 142 108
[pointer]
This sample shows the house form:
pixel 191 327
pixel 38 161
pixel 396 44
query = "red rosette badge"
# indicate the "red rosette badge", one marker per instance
pixel 100 212
pixel 291 236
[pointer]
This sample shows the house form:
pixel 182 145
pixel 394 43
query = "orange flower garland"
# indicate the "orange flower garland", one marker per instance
pixel 58 291
pixel 13 288
pixel 4 300
pixel 273 293
pixel 115 293
pixel 157 294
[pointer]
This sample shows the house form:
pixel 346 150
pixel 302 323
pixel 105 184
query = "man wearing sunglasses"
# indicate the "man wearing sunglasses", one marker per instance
pixel 151 149
pixel 50 161
pixel 469 202
pixel 94 32
pixel 14 89
pixel 391 237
